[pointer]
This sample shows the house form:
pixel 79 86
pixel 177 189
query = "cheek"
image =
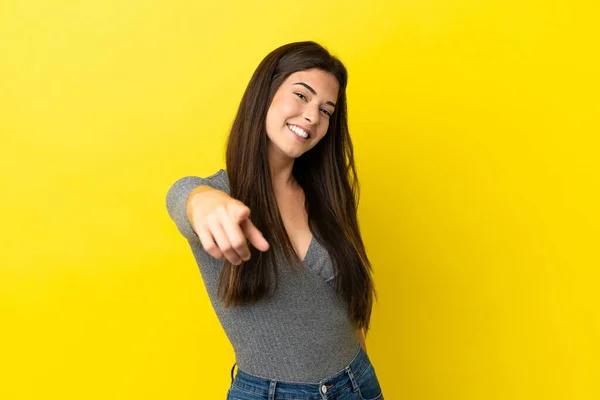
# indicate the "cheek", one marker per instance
pixel 289 109
pixel 281 110
pixel 324 126
pixel 273 114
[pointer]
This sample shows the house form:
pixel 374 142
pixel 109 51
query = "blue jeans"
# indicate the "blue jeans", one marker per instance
pixel 357 381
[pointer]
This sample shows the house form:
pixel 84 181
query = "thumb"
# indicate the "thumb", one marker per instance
pixel 238 211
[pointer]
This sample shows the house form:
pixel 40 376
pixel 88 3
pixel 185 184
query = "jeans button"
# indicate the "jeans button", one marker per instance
pixel 324 389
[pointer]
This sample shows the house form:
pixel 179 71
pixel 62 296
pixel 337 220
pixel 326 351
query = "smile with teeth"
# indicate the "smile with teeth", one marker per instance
pixel 298 131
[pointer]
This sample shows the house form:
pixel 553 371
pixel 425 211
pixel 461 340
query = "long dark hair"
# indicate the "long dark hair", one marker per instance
pixel 326 173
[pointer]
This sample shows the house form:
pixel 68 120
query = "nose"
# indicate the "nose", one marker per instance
pixel 311 115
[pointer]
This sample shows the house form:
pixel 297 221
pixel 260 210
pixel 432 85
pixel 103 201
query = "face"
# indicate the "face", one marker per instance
pixel 299 114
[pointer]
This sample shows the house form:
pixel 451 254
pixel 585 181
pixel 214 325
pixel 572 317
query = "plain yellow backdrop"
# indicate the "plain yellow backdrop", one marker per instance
pixel 474 124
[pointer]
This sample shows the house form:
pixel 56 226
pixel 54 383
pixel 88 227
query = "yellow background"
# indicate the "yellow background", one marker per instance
pixel 475 130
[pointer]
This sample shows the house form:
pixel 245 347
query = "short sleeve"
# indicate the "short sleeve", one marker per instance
pixel 177 198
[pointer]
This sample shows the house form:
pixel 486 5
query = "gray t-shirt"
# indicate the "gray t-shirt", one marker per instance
pixel 303 333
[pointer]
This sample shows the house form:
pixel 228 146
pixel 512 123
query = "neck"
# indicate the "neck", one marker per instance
pixel 281 172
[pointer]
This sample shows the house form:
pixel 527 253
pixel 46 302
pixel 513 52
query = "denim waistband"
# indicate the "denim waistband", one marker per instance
pixel 325 388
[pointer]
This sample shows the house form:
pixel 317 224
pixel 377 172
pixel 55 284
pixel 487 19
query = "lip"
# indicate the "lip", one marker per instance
pixel 305 129
pixel 296 137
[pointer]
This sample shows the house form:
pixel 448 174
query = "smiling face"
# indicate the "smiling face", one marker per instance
pixel 299 114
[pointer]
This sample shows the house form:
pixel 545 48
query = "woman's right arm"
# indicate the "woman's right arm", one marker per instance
pixel 220 222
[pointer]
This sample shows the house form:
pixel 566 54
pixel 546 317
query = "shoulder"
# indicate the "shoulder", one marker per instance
pixel 219 176
pixel 218 180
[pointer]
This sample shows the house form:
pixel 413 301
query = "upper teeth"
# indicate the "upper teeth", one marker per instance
pixel 298 130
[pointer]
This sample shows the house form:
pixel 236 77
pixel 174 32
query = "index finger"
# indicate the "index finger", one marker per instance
pixel 254 235
pixel 234 234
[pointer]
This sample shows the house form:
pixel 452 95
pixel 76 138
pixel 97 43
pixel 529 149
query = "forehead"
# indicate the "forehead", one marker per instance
pixel 324 83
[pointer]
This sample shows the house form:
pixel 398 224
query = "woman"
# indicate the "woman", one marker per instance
pixel 292 285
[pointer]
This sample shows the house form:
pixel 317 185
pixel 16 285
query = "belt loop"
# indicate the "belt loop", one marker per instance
pixel 352 379
pixel 272 386
pixel 234 364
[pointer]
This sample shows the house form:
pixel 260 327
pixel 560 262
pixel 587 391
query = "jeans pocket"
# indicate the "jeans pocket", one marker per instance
pixel 368 385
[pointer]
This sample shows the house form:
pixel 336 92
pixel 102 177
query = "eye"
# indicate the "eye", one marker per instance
pixel 326 112
pixel 301 96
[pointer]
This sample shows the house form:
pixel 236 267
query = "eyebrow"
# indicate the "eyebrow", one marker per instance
pixel 313 91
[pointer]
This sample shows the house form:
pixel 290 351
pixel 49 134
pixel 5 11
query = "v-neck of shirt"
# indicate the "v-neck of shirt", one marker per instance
pixel 310 245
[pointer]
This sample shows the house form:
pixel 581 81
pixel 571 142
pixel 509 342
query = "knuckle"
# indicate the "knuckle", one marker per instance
pixel 238 244
pixel 240 205
pixel 202 224
pixel 210 248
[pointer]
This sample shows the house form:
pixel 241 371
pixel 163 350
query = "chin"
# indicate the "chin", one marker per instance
pixel 295 154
